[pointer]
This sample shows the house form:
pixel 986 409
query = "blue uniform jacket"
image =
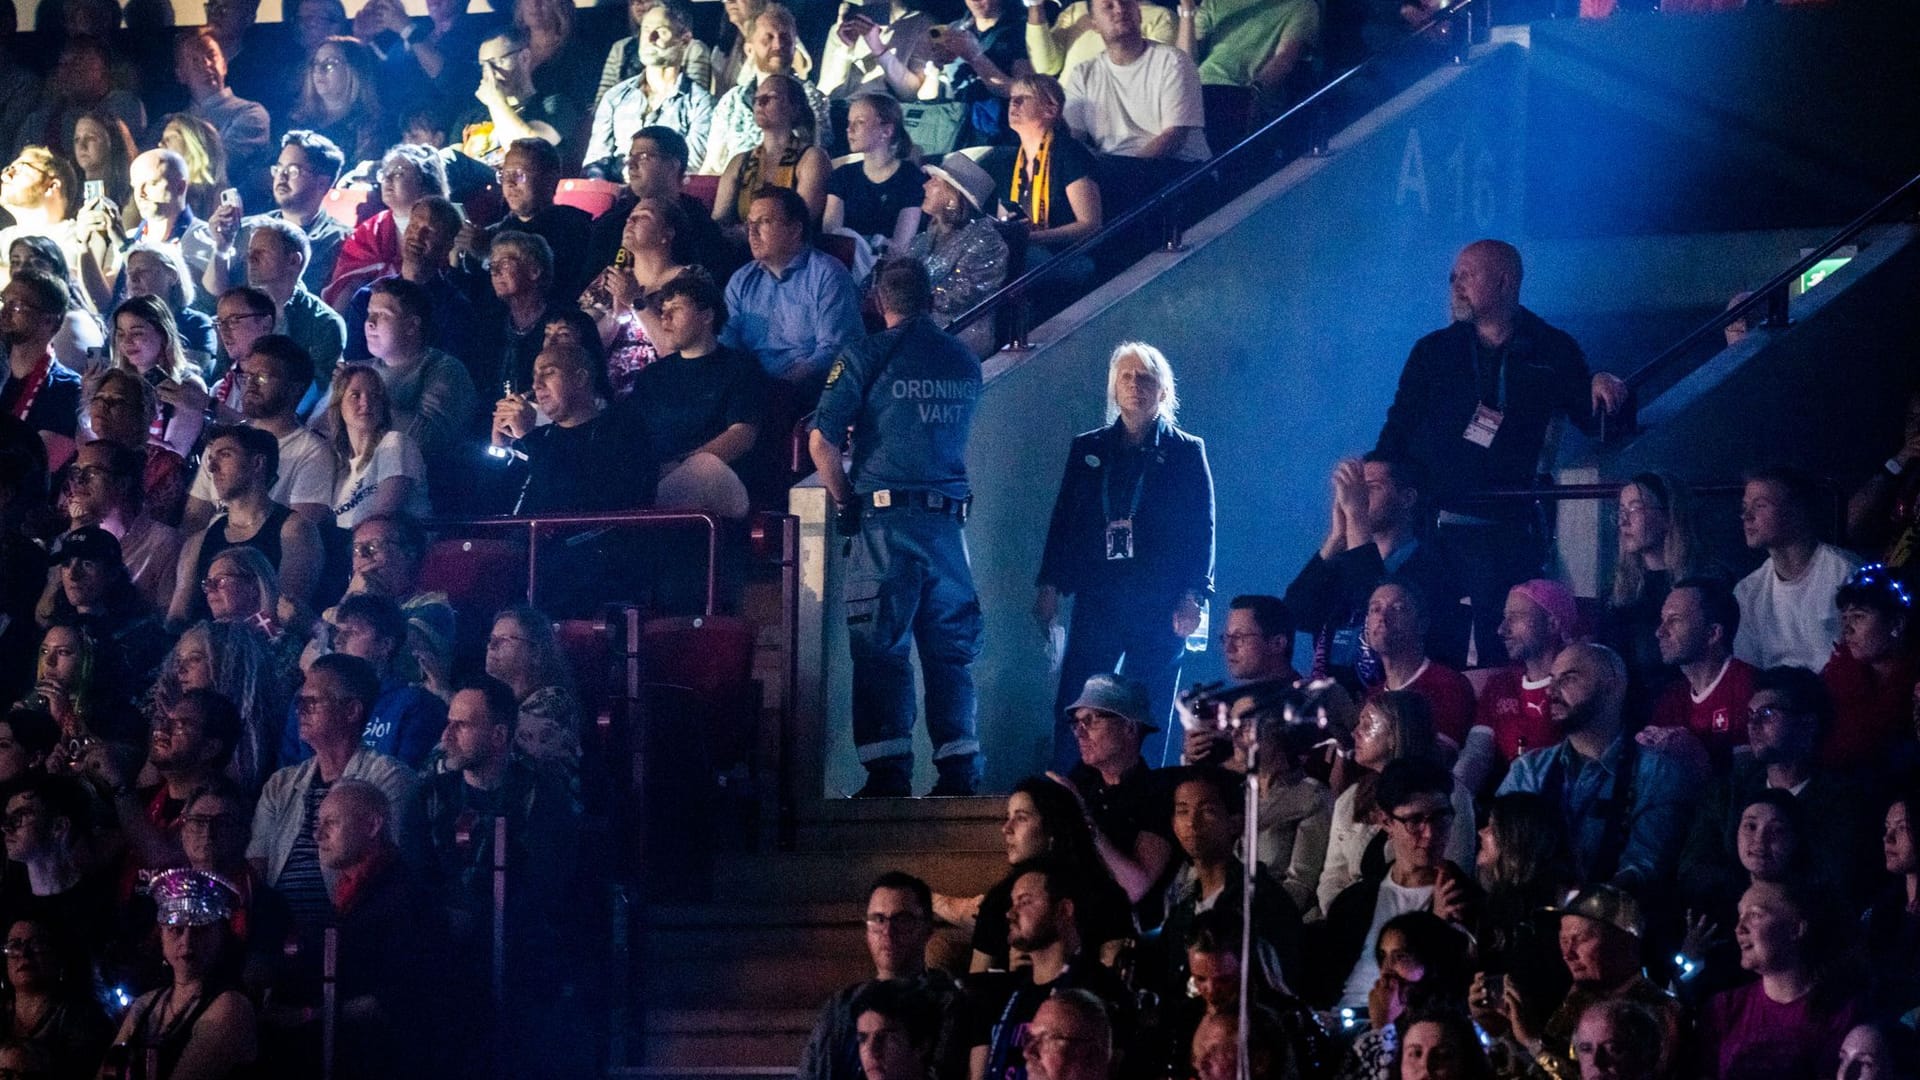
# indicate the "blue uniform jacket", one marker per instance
pixel 1172 532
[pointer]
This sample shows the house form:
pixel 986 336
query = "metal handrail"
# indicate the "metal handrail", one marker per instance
pixel 535 525
pixel 1773 294
pixel 1165 197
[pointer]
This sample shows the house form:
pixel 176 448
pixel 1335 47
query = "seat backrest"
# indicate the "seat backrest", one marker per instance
pixel 709 654
pixel 589 654
pixel 704 188
pixel 343 204
pixel 479 575
pixel 838 246
pixel 596 197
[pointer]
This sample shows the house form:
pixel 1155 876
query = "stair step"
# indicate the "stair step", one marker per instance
pixel 876 824
pixel 826 876
pixel 743 941
pixel 789 980
pixel 727 1038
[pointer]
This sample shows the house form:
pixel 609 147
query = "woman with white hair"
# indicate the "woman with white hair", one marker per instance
pixel 1131 541
pixel 408 173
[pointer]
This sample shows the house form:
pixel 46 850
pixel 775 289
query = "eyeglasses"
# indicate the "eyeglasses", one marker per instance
pixel 206 823
pixel 514 176
pixel 501 60
pixel 367 549
pixel 637 157
pixel 879 920
pixel 254 378
pixel 291 172
pixel 228 322
pixel 23 164
pixel 212 582
pixel 1435 819
pixel 311 703
pixel 1240 637
pixel 327 67
pixel 1093 719
pixel 397 172
pixel 18 947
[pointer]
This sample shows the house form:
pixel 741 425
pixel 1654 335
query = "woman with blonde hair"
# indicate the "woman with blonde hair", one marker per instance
pixel 1131 540
pixel 386 473
pixel 159 270
pixel 199 144
pixel 340 98
pixel 878 196
pixel 1659 545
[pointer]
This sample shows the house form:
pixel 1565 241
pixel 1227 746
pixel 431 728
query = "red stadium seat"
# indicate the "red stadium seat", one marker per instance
pixel 596 197
pixel 479 576
pixel 710 657
pixel 344 205
pixel 704 188
pixel 838 246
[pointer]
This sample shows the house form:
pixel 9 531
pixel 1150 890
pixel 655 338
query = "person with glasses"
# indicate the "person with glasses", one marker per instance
pixel 193 742
pixel 38 389
pixel 242 316
pixel 656 166
pixel 1789 714
pixel 308 167
pixel 529 177
pixel 408 173
pixel 340 99
pixel 277 255
pixel 122 412
pixel 333 706
pixel 214 827
pixel 41 192
pixel 524 653
pixel 1391 726
pixel 427 321
pixel 240 665
pixel 79 342
pixel 49 1009
pixel 47 825
pixel 1626 806
pixel 407 720
pixel 509 108
pixel 771 44
pixel 1406 870
pixel 899 924
pixel 104 490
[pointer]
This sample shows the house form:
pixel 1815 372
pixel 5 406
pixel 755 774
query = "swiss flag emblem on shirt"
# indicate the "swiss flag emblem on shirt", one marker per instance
pixel 1720 720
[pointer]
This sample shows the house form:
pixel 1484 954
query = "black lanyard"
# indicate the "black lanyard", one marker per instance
pixel 1139 481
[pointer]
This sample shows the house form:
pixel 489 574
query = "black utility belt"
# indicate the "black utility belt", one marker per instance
pixel 931 501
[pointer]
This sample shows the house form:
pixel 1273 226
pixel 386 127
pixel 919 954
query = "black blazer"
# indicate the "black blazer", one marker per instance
pixel 1172 532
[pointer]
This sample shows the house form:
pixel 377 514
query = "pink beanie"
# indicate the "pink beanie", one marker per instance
pixel 1556 600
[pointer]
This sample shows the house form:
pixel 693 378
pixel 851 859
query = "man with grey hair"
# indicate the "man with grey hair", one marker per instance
pixel 1070 1038
pixel 277 256
pixel 1626 804
pixel 520 267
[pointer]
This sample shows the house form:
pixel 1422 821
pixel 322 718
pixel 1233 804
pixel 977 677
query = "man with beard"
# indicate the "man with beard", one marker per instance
pixel 425 253
pixel 241 464
pixel 1625 806
pixel 661 94
pixel 189 750
pixel 274 375
pixel 38 389
pixel 1040 924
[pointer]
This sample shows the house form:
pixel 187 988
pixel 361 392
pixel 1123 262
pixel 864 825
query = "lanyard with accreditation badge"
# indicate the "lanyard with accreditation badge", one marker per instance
pixel 1486 418
pixel 1120 530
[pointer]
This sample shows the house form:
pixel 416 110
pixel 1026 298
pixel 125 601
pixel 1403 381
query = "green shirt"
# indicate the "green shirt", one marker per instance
pixel 1239 35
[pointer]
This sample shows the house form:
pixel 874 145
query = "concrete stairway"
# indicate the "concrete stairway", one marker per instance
pixel 727 989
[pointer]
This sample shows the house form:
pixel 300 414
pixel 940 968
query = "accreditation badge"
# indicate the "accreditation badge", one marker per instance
pixel 1120 540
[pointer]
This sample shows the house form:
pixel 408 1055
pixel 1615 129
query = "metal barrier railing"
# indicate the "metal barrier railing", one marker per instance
pixel 538 529
pixel 1771 298
pixel 1168 202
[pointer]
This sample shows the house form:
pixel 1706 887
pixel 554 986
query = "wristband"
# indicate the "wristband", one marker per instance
pixel 1893 467
pixel 1030 4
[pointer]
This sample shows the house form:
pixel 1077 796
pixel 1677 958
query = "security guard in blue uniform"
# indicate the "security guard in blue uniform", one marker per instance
pixel 908 395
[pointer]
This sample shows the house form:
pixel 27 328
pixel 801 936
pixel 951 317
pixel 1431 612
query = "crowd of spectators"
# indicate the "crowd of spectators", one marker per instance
pixel 344 290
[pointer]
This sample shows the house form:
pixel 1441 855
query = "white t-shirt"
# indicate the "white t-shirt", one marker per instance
pixel 394 455
pixel 1394 900
pixel 307 467
pixel 1121 109
pixel 1792 622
